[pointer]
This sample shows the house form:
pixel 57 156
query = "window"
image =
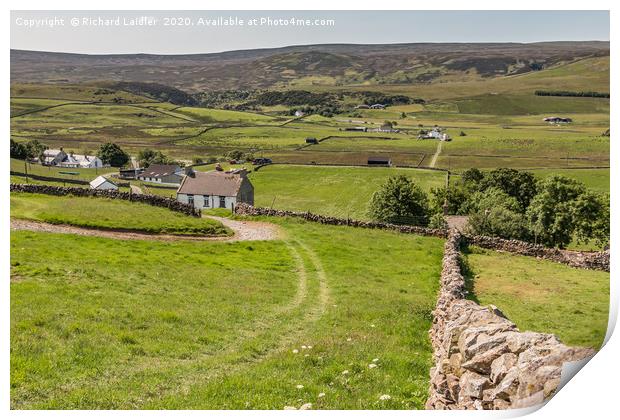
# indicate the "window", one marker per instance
pixel 190 199
pixel 222 202
pixel 205 199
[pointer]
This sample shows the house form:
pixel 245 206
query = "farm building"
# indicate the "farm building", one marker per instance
pixel 299 113
pixel 379 161
pixel 102 183
pixel 129 173
pixel 162 174
pixel 377 106
pixel 58 157
pixel 557 120
pixel 312 140
pixel 206 190
pixel 363 129
pixel 362 106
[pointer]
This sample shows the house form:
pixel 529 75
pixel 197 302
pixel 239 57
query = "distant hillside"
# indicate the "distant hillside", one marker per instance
pixel 310 65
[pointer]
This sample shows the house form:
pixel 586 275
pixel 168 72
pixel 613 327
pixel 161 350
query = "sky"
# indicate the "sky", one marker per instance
pixel 160 32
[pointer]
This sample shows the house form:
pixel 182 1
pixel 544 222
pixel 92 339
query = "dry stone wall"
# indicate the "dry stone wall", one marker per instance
pixel 587 260
pixel 481 359
pixel 152 200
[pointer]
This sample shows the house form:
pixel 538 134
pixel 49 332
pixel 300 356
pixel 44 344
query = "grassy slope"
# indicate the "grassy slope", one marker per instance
pixel 219 330
pixel 334 191
pixel 109 214
pixel 543 296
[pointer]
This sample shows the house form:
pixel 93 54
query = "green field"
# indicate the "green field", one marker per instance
pixel 100 323
pixel 329 190
pixel 109 214
pixel 543 296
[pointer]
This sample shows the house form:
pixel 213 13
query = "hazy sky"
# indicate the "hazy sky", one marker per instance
pixel 60 31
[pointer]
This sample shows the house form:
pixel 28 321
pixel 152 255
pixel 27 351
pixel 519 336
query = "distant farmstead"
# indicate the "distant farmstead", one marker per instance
pixel 58 157
pixel 377 106
pixel 557 120
pixel 102 183
pixel 214 189
pixel 162 174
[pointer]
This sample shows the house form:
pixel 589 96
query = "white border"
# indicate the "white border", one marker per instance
pixel 593 393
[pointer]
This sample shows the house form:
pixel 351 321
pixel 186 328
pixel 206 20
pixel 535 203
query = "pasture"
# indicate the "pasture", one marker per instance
pixel 100 323
pixel 329 190
pixel 543 296
pixel 110 214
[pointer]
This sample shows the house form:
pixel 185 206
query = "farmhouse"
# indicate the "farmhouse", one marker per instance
pixel 377 106
pixel 102 183
pixel 312 140
pixel 363 129
pixel 58 157
pixel 162 174
pixel 206 190
pixel 379 161
pixel 299 113
pixel 362 106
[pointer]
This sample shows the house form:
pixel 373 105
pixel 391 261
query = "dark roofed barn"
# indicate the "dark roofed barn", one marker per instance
pixel 379 161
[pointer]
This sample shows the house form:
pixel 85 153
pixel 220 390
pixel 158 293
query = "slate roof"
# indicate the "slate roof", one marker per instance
pixel 156 170
pixel 225 184
pixel 95 183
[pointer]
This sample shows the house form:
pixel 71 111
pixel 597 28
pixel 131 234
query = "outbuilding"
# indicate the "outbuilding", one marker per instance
pixel 162 174
pixel 102 183
pixel 379 161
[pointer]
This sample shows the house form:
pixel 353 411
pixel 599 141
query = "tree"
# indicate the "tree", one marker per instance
pixel 112 154
pixel 35 149
pixel 556 211
pixel 197 160
pixel 472 176
pixel 235 155
pixel 494 213
pixel 401 201
pixel 518 184
pixel 18 150
pixel 403 115
pixel 591 212
pixel 148 157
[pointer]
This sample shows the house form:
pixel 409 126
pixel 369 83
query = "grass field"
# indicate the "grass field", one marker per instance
pixel 109 214
pixel 334 191
pixel 98 323
pixel 543 296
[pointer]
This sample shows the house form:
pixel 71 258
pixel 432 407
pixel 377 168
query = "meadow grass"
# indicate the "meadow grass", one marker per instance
pixel 99 323
pixel 543 296
pixel 83 174
pixel 109 214
pixel 328 190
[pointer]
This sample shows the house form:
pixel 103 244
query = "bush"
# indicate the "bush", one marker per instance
pixel 438 221
pixel 400 201
pixel 112 154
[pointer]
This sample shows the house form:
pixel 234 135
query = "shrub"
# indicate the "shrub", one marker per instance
pixel 401 201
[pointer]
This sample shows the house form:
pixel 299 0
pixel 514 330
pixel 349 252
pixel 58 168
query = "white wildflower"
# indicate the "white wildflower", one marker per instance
pixel 295 351
pixel 321 395
pixel 306 355
pixel 345 372
pixel 372 366
pixel 306 406
pixel 375 360
pixel 385 397
pixel 309 347
pixel 288 407
pixel 299 387
pixel 303 347
pixel 349 339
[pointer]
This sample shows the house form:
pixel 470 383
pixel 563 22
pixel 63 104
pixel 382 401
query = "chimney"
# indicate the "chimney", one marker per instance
pixel 189 171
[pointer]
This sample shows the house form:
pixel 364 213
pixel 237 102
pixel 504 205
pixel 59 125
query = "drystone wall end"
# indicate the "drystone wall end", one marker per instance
pixel 481 359
pixel 152 200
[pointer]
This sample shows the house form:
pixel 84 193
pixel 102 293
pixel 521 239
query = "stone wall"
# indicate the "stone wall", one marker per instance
pixel 587 260
pixel 244 209
pixel 481 359
pixel 152 200
pixel 578 259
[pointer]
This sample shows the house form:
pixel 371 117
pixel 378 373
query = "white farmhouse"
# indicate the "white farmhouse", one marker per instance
pixel 102 183
pixel 216 189
pixel 58 157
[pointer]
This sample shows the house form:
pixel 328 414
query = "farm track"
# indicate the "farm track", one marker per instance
pixel 436 155
pixel 243 231
pixel 278 331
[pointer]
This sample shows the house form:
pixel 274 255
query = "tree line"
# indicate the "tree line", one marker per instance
pixel 586 94
pixel 505 203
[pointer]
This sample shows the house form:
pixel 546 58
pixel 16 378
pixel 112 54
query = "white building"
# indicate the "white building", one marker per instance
pixel 215 189
pixel 435 133
pixel 162 174
pixel 58 157
pixel 102 183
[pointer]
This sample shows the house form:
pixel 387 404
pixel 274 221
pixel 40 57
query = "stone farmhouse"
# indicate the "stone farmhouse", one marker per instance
pixel 102 183
pixel 58 157
pixel 435 133
pixel 162 174
pixel 215 189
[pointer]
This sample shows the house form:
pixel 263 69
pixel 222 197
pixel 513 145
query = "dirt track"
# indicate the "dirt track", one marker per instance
pixel 243 231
